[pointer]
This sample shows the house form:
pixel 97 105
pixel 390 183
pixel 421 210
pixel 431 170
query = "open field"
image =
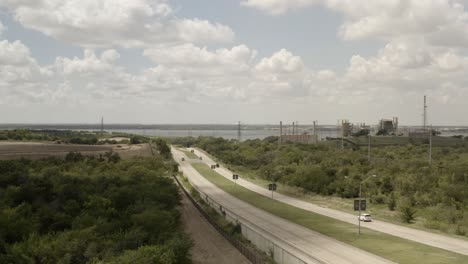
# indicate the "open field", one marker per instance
pixel 37 150
pixel 390 247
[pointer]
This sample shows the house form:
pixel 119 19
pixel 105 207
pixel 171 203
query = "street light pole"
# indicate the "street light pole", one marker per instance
pixel 360 197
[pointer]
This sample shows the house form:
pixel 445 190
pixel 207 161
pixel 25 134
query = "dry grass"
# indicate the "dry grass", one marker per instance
pixel 40 150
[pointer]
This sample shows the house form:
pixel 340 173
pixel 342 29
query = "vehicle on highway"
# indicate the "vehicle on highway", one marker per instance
pixel 201 158
pixel 183 159
pixel 365 218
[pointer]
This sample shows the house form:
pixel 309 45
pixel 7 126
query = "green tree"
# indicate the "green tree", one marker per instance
pixel 407 214
pixel 392 202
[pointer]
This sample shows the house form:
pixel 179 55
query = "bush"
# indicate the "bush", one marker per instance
pixel 407 214
pixel 392 202
pixel 378 199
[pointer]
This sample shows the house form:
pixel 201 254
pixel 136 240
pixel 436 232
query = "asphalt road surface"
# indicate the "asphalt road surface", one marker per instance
pixel 435 240
pixel 310 246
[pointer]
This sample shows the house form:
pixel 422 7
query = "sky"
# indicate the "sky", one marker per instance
pixel 223 61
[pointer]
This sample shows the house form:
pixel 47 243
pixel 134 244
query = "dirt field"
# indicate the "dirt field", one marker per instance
pixel 209 246
pixel 39 150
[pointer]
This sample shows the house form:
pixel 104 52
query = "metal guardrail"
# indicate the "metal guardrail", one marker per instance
pixel 249 253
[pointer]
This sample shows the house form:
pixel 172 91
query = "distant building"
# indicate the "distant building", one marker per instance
pixel 346 128
pixel 388 126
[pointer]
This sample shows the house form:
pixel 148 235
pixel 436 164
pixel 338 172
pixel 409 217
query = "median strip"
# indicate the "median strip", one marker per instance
pixel 387 246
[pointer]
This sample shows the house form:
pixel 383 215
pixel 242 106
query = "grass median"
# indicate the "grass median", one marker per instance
pixel 189 154
pixel 390 247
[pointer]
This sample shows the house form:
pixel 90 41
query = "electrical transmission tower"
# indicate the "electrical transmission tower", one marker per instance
pixel 425 114
pixel 239 135
pixel 102 126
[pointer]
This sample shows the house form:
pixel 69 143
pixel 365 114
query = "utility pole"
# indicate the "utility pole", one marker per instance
pixel 342 134
pixel 280 132
pixel 315 132
pixel 293 132
pixel 368 146
pixel 360 198
pixel 425 114
pixel 430 146
pixel 102 126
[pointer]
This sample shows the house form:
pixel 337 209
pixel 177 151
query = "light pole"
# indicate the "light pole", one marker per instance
pixel 360 197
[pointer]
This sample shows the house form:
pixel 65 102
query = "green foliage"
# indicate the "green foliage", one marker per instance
pixel 88 210
pixel 163 148
pixel 403 172
pixel 407 213
pixel 392 202
pixel 390 247
pixel 136 139
pixel 66 136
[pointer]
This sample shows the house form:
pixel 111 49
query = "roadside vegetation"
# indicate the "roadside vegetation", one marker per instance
pixel 91 210
pixel 233 230
pixel 393 248
pixel 70 136
pixel 407 188
pixel 189 154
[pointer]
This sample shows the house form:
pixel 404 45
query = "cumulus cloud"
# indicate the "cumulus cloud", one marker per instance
pixel 278 7
pixel 227 74
pixel 281 62
pixel 441 22
pixel 136 23
pixel 191 55
pixel 21 77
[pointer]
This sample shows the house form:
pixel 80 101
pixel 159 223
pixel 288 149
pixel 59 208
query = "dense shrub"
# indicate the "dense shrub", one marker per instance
pixel 83 209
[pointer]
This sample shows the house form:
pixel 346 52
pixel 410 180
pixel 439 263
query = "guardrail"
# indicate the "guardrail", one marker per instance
pixel 249 253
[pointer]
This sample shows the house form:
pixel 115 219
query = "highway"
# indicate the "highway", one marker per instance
pixel 310 246
pixel 444 242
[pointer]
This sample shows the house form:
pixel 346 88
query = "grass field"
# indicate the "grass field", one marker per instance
pixel 39 150
pixel 189 154
pixel 390 247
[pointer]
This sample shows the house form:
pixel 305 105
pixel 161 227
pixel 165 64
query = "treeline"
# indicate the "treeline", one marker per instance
pixel 90 210
pixel 69 137
pixel 405 182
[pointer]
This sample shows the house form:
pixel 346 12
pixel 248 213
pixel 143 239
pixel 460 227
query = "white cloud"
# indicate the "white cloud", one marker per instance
pixel 21 77
pixel 440 22
pixel 191 55
pixel 281 62
pixel 107 23
pixel 278 7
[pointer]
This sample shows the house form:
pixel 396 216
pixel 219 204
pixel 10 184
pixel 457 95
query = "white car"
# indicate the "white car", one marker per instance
pixel 365 218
